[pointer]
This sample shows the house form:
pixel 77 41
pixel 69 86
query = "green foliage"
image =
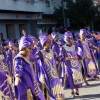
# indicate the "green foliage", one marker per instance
pixel 80 13
pixel 58 15
pixel 97 22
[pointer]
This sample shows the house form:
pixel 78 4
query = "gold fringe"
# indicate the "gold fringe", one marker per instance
pixel 4 97
pixel 58 90
pixel 45 91
pixel 29 95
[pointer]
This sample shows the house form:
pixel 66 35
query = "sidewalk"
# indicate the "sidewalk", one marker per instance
pixel 91 92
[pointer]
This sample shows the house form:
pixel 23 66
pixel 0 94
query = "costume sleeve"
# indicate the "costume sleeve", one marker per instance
pixel 62 54
pixel 92 46
pixel 18 67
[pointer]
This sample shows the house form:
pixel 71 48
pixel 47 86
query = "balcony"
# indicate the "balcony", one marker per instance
pixel 23 5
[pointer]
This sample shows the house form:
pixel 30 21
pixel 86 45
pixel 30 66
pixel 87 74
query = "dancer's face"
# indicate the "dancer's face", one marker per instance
pixel 56 38
pixel 27 50
pixel 47 45
pixel 83 36
pixel 0 49
pixel 70 41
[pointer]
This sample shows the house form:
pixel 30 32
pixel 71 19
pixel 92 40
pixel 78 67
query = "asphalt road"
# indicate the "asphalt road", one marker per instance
pixel 91 92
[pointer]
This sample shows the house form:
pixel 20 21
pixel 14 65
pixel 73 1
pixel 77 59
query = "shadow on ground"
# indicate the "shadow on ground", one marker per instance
pixel 91 85
pixel 85 97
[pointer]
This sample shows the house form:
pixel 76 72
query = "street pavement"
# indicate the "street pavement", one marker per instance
pixel 91 92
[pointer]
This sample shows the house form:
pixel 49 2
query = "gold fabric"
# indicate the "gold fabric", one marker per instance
pixel 29 95
pixel 57 90
pixel 47 57
pixel 45 91
pixel 87 51
pixel 77 77
pixel 91 68
pixel 4 97
pixel 3 66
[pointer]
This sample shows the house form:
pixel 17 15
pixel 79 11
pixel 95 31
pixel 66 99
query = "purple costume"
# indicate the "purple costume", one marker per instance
pixel 48 72
pixel 55 46
pixel 28 88
pixel 71 69
pixel 93 51
pixel 5 88
pixel 32 58
pixel 84 50
pixel 10 56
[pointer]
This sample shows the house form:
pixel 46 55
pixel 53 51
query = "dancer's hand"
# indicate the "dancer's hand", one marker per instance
pixel 17 80
pixel 42 79
pixel 83 57
pixel 98 49
pixel 72 58
pixel 75 58
pixel 9 79
pixel 88 58
pixel 67 58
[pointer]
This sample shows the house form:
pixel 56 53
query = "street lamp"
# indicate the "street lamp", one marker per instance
pixel 64 19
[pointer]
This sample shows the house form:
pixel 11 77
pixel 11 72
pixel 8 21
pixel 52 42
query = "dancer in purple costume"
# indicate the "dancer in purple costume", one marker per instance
pixel 48 72
pixel 71 73
pixel 11 53
pixel 55 46
pixel 89 66
pixel 27 87
pixel 6 92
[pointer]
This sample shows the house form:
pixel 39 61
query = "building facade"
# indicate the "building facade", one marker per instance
pixel 30 15
pixel 96 2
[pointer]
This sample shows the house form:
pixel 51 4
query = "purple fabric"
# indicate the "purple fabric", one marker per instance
pixel 76 33
pixel 42 35
pixel 95 62
pixel 47 67
pixel 53 34
pixel 88 33
pixel 67 68
pixel 4 85
pixel 84 50
pixel 82 31
pixel 67 36
pixel 28 79
pixel 32 37
pixel 25 41
pixel 62 41
pixel 7 41
pixel 98 32
pixel 11 44
pixel 90 40
pixel 44 39
pixel 68 33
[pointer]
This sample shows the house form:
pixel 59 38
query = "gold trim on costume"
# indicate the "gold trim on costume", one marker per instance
pixel 91 68
pixel 51 71
pixel 74 63
pixel 4 97
pixel 57 90
pixel 67 48
pixel 3 83
pixel 87 51
pixel 37 91
pixel 3 66
pixel 29 94
pixel 49 55
pixel 77 77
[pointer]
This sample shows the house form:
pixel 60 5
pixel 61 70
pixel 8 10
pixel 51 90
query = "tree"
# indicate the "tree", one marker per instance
pixel 58 15
pixel 97 22
pixel 80 13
